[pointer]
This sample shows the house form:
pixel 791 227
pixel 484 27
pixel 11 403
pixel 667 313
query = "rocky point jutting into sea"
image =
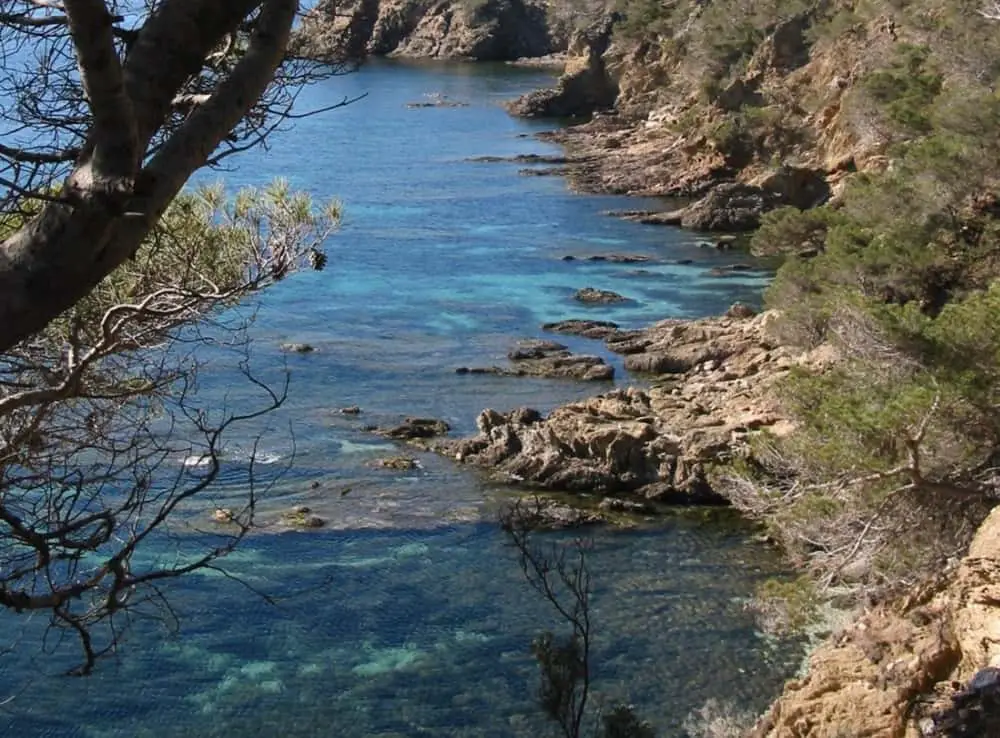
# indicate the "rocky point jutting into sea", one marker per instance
pixel 734 127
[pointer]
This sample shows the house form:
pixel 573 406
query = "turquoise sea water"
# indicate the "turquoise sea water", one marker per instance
pixel 407 615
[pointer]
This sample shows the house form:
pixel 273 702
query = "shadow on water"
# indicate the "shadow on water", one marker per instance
pixel 414 632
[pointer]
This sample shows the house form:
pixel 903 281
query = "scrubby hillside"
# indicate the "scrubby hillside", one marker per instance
pixel 860 142
pixel 785 96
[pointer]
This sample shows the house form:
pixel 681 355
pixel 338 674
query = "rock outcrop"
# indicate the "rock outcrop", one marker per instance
pixel 913 668
pixel 414 428
pixel 496 30
pixel 654 444
pixel 538 358
pixel 586 85
pixel 585 328
pixel 608 444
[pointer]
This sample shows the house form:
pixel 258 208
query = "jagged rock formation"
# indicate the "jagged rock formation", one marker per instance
pixel 657 444
pixel 445 29
pixel 586 85
pixel 908 669
pixel 786 130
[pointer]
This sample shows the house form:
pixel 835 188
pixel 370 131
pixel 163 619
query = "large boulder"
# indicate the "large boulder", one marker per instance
pixel 729 207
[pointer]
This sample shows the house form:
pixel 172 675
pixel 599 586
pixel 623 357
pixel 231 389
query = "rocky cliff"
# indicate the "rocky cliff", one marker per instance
pixel 488 30
pixel 778 121
pixel 924 666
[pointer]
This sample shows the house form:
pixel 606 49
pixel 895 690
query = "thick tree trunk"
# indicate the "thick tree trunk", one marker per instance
pixel 112 199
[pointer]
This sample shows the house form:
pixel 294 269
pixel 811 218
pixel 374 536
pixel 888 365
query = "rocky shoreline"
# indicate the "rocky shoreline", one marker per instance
pixel 711 383
pixel 925 664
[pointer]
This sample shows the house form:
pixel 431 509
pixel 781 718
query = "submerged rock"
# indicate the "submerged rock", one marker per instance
pixel 587 328
pixel 730 270
pixel 397 463
pixel 301 516
pixel 437 101
pixel 412 428
pixel 539 358
pixel 223 515
pixel 522 159
pixel 612 258
pixel 593 296
pixel 297 348
pixel 543 513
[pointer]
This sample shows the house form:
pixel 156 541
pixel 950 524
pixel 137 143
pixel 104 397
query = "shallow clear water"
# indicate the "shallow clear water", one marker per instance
pixel 407 616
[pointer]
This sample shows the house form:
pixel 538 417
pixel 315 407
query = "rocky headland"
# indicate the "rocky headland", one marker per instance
pixel 779 133
pixel 710 390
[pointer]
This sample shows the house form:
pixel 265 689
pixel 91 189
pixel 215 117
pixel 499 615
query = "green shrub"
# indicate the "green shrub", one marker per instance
pixel 907 88
pixel 789 230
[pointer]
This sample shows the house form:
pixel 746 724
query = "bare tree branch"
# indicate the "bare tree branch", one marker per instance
pixel 108 124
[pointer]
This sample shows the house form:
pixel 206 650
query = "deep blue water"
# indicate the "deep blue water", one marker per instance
pixel 407 615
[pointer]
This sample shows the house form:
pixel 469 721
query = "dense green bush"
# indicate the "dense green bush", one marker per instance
pixel 789 230
pixel 907 88
pixel 890 467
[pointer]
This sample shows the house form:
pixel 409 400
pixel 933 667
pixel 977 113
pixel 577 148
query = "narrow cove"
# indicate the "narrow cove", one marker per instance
pixel 407 616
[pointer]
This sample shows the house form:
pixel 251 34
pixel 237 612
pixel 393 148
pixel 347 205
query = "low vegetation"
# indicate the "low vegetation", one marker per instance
pixel 894 280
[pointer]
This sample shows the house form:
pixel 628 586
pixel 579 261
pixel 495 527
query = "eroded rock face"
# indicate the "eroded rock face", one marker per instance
pixel 653 444
pixel 586 85
pixel 496 30
pixel 665 136
pixel 916 668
